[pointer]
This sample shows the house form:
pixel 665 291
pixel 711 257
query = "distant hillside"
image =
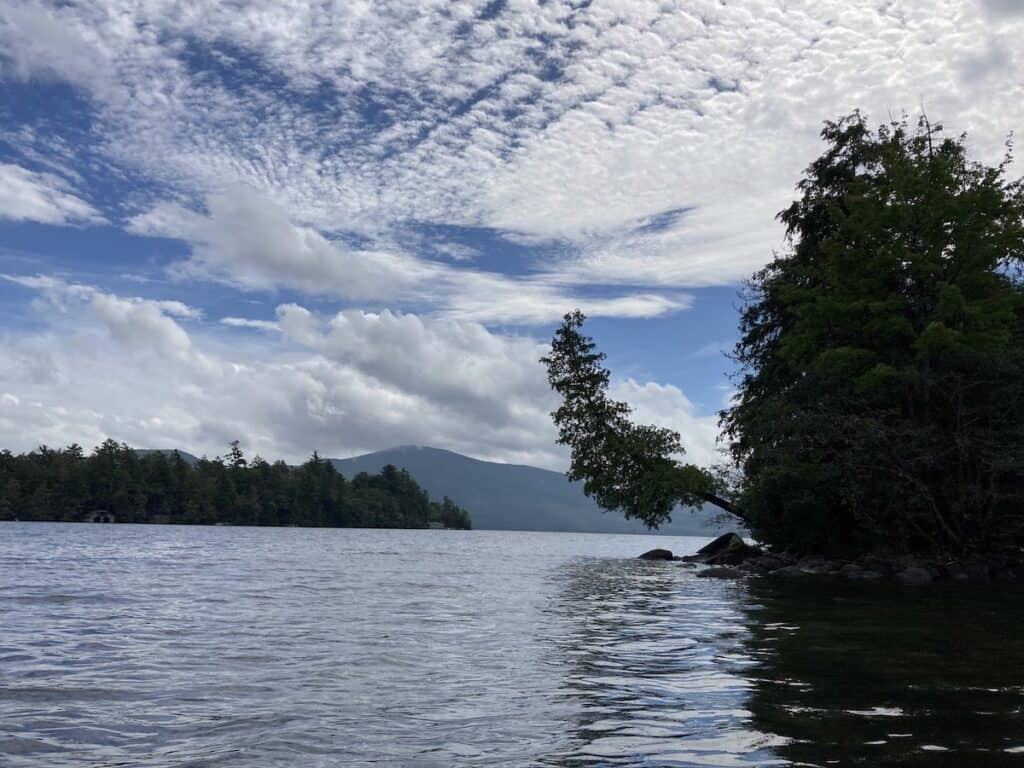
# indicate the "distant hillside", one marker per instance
pixel 514 497
pixel 168 452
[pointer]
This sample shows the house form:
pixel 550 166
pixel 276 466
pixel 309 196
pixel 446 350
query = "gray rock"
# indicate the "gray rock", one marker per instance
pixel 720 572
pixel 732 557
pixel 865 576
pixel 657 554
pixel 769 562
pixel 916 575
pixel 724 543
pixel 789 571
pixel 977 571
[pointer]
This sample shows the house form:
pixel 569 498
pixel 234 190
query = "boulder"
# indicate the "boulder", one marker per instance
pixel 657 554
pixel 915 575
pixel 720 572
pixel 769 562
pixel 724 543
pixel 731 557
pixel 977 571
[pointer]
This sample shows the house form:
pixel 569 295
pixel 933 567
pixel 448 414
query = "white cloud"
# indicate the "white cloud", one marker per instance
pixel 356 381
pixel 547 120
pixel 245 322
pixel 665 405
pixel 249 241
pixel 29 196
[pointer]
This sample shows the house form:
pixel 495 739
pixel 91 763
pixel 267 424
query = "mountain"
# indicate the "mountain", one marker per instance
pixel 514 497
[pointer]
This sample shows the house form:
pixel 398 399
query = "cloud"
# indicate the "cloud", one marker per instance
pixel 1003 7
pixel 29 196
pixel 354 381
pixel 563 122
pixel 41 42
pixel 666 406
pixel 244 322
pixel 67 297
pixel 249 241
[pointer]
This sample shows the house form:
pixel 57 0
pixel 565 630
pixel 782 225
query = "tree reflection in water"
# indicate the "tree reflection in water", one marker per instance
pixel 657 668
pixel 855 674
pixel 663 669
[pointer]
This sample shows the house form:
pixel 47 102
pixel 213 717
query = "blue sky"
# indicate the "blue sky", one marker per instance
pixel 348 226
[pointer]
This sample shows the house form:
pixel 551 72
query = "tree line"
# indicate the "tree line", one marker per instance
pixel 166 487
pixel 880 389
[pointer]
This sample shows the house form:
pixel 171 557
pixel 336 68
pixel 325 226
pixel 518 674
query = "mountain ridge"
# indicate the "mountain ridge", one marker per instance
pixel 515 496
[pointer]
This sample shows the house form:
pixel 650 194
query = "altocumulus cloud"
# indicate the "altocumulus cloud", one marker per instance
pixel 561 121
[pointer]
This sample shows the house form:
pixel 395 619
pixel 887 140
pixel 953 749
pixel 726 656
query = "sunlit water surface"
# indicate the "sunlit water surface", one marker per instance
pixel 189 646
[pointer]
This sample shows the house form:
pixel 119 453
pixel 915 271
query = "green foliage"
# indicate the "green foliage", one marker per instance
pixel 881 402
pixel 623 466
pixel 155 487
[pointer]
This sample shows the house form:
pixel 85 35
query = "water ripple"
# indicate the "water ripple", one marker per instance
pixel 164 646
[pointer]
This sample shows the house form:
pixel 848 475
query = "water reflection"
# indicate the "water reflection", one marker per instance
pixel 657 666
pixel 664 669
pixel 883 675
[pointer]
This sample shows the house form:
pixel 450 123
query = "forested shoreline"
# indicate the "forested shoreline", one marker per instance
pixel 120 483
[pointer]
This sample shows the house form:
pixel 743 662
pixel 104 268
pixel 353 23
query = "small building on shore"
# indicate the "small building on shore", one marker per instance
pixel 100 516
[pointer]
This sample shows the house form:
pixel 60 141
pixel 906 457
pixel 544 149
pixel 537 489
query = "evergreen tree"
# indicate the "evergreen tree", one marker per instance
pixel 49 484
pixel 881 395
pixel 881 402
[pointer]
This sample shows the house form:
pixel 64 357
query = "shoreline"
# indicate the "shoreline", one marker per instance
pixel 729 557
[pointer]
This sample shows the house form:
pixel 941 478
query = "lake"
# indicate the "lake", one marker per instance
pixel 204 646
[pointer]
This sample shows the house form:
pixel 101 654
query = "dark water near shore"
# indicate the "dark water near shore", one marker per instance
pixel 178 646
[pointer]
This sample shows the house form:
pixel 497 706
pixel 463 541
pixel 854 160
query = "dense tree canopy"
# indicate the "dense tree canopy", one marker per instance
pixel 880 400
pixel 154 486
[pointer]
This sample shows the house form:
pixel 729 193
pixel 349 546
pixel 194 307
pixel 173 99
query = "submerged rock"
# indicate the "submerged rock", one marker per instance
pixel 657 554
pixel 789 571
pixel 720 572
pixel 916 575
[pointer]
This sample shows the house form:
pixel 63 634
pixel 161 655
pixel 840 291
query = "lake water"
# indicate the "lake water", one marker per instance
pixel 189 646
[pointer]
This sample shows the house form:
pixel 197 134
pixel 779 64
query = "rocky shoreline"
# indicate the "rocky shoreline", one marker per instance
pixel 730 557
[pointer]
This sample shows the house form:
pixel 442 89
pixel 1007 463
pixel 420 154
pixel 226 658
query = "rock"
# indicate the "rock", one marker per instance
pixel 657 554
pixel 731 557
pixel 864 576
pixel 789 571
pixel 724 543
pixel 812 562
pixel 753 566
pixel 687 564
pixel 720 572
pixel 769 562
pixel 916 575
pixel 977 571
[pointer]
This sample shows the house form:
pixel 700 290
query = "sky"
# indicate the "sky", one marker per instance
pixel 345 226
